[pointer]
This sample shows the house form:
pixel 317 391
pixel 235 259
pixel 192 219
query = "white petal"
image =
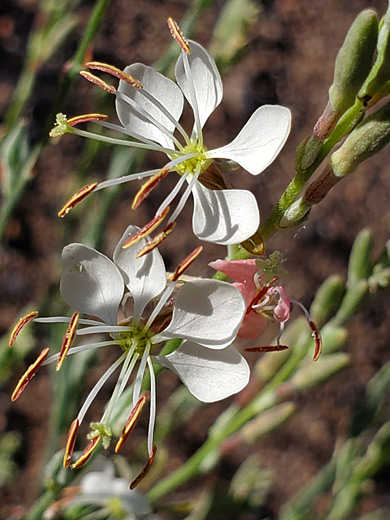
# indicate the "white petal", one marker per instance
pixel 260 141
pixel 145 277
pixel 210 375
pixel 208 312
pixel 206 78
pixel 90 282
pixel 162 88
pixel 225 216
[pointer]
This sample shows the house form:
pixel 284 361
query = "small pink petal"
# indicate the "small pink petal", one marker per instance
pixel 247 289
pixel 282 309
pixel 240 270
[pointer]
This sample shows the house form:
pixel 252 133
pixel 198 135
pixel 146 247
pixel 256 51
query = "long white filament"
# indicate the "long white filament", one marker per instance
pixel 125 178
pixel 81 348
pixel 65 319
pixel 122 380
pixel 173 194
pixel 140 375
pixel 93 393
pixel 185 196
pixel 162 301
pixel 152 413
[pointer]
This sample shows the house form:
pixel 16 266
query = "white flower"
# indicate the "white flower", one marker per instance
pixel 149 106
pixel 206 315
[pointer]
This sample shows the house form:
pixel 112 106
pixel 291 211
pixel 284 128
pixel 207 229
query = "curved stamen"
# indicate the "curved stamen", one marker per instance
pixel 103 328
pixel 120 384
pixel 65 319
pixel 140 375
pixel 81 348
pixel 162 301
pixel 113 140
pixel 145 470
pixel 93 393
pixel 156 241
pixel 152 413
pixel 185 264
pixel 68 339
pixel 185 196
pixel 125 178
pixel 130 424
pixel 20 325
pixel 29 374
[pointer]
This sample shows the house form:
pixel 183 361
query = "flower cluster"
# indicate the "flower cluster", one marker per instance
pixel 132 299
pixel 149 106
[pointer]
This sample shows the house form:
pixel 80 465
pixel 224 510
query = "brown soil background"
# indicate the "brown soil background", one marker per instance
pixel 289 61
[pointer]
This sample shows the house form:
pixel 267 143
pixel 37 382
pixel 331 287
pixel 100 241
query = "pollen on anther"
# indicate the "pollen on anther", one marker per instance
pixel 29 374
pixel 87 453
pixel 76 198
pixel 185 264
pixel 156 241
pixel 86 118
pixel 146 230
pixel 70 442
pixel 318 340
pixel 97 81
pixel 68 339
pixel 130 424
pixel 145 470
pixel 20 325
pixel 114 71
pixel 147 188
pixel 178 35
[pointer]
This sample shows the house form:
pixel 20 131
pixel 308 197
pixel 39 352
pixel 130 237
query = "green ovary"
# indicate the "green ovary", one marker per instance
pixel 136 336
pixel 200 162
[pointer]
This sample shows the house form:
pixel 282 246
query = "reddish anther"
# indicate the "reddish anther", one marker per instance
pixel 97 81
pixel 130 424
pixel 146 230
pixel 145 470
pixel 185 264
pixel 87 453
pixel 20 325
pixel 68 339
pixel 114 71
pixel 70 442
pixel 76 198
pixel 267 348
pixel 147 188
pixel 156 241
pixel 178 35
pixel 318 340
pixel 86 118
pixel 29 374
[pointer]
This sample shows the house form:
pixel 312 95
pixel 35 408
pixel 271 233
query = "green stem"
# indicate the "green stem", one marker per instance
pixel 345 125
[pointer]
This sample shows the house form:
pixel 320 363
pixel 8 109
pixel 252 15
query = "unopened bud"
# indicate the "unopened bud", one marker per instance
pixel 296 214
pixel 367 139
pixel 359 266
pixel 327 299
pixel 314 374
pixel 354 60
pixel 380 73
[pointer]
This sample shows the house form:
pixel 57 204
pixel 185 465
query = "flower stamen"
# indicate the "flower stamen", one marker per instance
pixel 29 374
pixel 318 340
pixel 20 325
pixel 76 198
pixel 145 470
pixel 68 339
pixel 70 442
pixel 114 71
pixel 146 230
pixel 148 186
pixel 86 118
pixel 267 348
pixel 185 264
pixel 130 424
pixel 177 35
pixel 156 241
pixel 97 81
pixel 87 453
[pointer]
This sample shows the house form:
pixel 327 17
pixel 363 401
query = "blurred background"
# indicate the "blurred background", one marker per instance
pixel 284 54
